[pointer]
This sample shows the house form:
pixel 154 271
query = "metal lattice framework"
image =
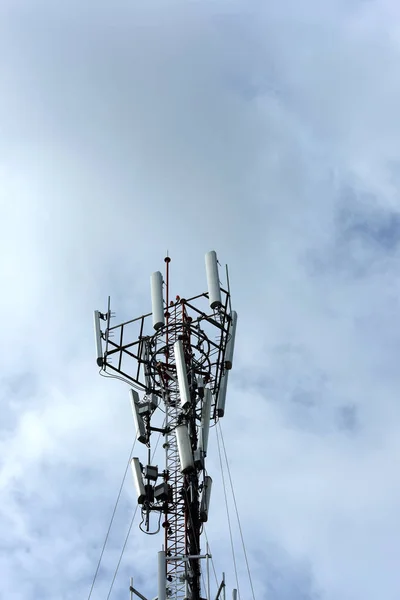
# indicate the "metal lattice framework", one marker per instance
pixel 145 359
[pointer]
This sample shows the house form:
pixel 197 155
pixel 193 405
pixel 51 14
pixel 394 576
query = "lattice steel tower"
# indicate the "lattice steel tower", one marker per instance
pixel 176 360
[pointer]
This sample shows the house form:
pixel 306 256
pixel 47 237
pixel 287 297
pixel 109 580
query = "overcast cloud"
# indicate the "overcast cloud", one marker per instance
pixel 270 132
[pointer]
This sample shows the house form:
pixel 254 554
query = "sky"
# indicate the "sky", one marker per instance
pixel 269 132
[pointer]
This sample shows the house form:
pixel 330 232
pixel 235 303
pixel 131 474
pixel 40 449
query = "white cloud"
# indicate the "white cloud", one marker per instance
pixel 267 131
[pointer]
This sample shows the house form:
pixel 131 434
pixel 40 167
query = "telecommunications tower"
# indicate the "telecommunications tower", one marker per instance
pixel 176 361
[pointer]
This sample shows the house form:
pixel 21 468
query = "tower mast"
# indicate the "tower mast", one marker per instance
pixel 178 357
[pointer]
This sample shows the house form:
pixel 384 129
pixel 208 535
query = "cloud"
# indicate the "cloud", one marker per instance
pixel 267 131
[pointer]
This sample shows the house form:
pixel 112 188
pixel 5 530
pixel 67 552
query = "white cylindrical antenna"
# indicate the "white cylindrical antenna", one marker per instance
pixel 187 593
pixel 139 423
pixel 222 395
pixel 214 291
pixel 162 576
pixel 97 333
pixel 182 375
pixel 138 480
pixel 184 448
pixel 205 420
pixel 205 499
pixel 234 594
pixel 157 300
pixel 230 345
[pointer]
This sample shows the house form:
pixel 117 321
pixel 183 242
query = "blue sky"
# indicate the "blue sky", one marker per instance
pixel 266 131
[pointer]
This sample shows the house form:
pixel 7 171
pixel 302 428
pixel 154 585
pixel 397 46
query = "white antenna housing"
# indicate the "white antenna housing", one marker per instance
pixel 222 395
pixel 154 401
pixel 230 346
pixel 214 291
pixel 184 448
pixel 205 499
pixel 162 581
pixel 139 423
pixel 157 300
pixel 97 332
pixel 200 386
pixel 182 375
pixel 138 480
pixel 205 420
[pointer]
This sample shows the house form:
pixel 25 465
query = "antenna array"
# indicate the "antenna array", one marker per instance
pixel 178 357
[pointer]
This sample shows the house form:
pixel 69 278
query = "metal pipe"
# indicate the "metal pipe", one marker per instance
pixel 221 588
pixel 208 573
pixel 183 557
pixel 138 594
